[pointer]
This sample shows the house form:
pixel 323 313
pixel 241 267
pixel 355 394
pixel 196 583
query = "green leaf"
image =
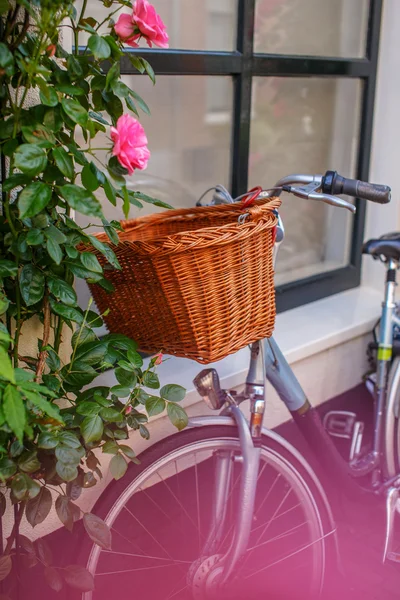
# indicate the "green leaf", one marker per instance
pixel 38 508
pixel 142 104
pixel 54 250
pixel 89 179
pixel 75 111
pixel 6 369
pixel 7 468
pixel 69 439
pixel 14 411
pixel 8 268
pixel 39 134
pixel 149 199
pixel 28 462
pixel 53 578
pixel 5 566
pixel 106 251
pixel 151 380
pixel 92 429
pixel 15 181
pixel 6 60
pixel 33 199
pixel 30 159
pixel 110 192
pixel 120 391
pixel 173 392
pixel 81 200
pixel 66 472
pixel 31 282
pixel 155 406
pixel 149 70
pixel 126 378
pixel 90 262
pixel 79 578
pixel 135 359
pixel 118 466
pixel 55 234
pixel 4 6
pixel 48 95
pixel 177 416
pixel 97 530
pixel 34 237
pixel 19 486
pixel 99 47
pixel 64 510
pixel 47 440
pixel 111 414
pixel 44 405
pixel 127 450
pixel 62 291
pixel 68 312
pixel 88 409
pixel 91 353
pixel 112 75
pixel 110 447
pixel 68 456
pixel 64 162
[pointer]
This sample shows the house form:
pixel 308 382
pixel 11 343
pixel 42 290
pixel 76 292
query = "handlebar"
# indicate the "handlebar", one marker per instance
pixel 333 183
pixel 323 188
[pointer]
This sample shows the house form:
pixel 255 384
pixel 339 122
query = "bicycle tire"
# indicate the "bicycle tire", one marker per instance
pixel 114 499
pixel 391 449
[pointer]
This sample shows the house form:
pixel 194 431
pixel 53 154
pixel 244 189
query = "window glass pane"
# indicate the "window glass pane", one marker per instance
pixel 189 134
pixel 316 27
pixel 306 126
pixel 191 25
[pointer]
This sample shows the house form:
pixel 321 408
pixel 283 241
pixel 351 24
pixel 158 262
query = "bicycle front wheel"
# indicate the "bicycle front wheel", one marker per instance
pixel 160 515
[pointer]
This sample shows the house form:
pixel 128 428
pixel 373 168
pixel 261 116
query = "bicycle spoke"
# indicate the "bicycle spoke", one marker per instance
pixel 174 591
pixel 277 517
pixel 148 532
pixel 187 562
pixel 137 569
pixel 279 537
pixel 197 500
pixel 178 501
pixel 297 551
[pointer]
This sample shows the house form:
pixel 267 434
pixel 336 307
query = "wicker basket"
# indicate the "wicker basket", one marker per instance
pixel 194 282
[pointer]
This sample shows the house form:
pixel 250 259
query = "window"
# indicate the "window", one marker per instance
pixel 251 90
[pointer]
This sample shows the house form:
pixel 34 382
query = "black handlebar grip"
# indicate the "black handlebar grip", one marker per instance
pixel 335 184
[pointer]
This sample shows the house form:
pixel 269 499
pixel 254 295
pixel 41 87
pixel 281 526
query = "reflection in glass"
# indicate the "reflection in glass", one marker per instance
pixel 191 25
pixel 306 126
pixel 189 135
pixel 313 27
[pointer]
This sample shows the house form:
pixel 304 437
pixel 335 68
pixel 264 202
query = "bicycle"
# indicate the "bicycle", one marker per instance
pixel 230 509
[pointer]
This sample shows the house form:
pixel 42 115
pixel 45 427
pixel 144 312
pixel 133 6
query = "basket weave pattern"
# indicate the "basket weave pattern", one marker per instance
pixel 194 282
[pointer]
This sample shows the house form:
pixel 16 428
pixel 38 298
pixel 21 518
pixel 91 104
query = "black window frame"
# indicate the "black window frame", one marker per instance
pixel 242 65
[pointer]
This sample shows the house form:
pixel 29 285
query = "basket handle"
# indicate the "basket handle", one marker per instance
pixel 251 196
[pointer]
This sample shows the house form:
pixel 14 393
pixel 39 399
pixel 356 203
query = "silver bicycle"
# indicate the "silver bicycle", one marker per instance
pixel 229 509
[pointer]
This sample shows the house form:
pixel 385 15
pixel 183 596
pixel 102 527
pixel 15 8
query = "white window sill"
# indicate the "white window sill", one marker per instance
pixel 301 333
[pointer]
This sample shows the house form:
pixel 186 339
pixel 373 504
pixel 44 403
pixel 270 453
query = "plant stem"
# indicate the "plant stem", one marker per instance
pixel 57 337
pixel 19 323
pixel 46 335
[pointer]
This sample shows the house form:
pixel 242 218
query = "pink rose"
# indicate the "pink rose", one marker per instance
pixel 144 22
pixel 128 410
pixel 158 359
pixel 130 144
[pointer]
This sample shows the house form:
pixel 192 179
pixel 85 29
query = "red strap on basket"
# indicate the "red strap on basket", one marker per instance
pixel 251 196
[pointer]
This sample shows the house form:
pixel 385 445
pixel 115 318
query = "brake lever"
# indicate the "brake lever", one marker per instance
pixel 310 192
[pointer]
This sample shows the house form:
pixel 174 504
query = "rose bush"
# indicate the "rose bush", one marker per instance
pixel 54 419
